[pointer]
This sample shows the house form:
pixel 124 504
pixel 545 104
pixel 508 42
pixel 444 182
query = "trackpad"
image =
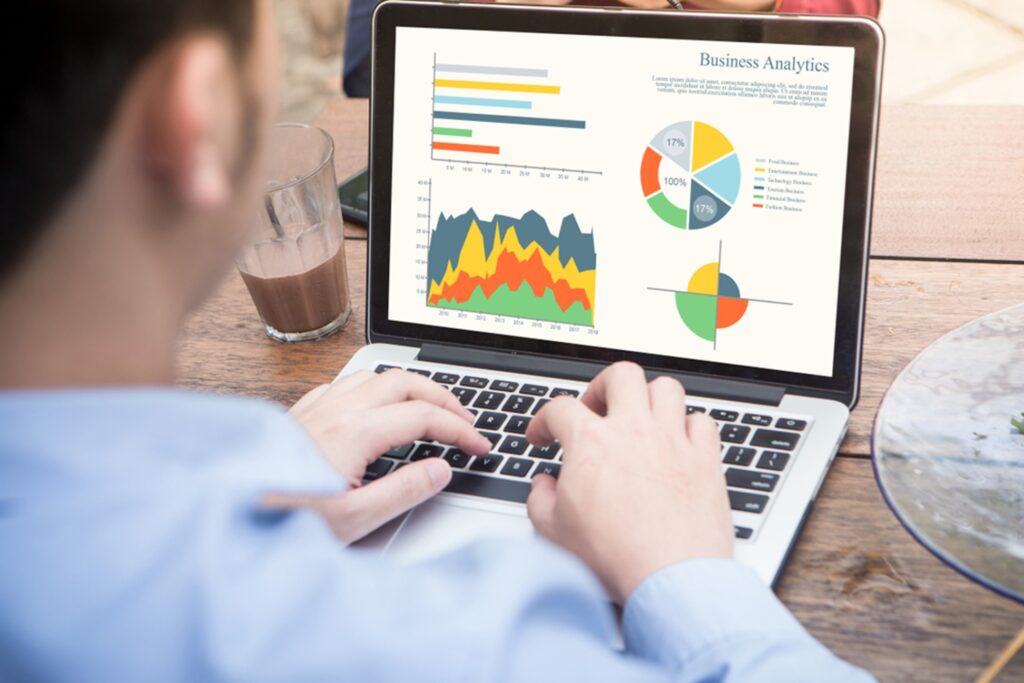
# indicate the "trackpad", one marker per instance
pixel 436 528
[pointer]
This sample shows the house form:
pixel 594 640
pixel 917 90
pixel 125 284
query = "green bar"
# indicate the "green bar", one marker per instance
pixel 454 132
pixel 758 196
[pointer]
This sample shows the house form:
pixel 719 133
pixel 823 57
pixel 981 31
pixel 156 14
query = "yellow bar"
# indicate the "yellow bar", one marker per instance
pixel 758 170
pixel 508 87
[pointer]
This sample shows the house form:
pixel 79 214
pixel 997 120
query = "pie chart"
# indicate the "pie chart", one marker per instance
pixel 690 175
pixel 711 302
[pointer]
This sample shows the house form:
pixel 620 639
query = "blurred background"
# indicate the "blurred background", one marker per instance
pixel 938 51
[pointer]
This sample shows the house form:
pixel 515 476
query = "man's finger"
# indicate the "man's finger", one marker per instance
pixel 557 421
pixel 362 510
pixel 541 505
pixel 396 386
pixel 394 425
pixel 309 398
pixel 619 388
pixel 668 403
pixel 702 432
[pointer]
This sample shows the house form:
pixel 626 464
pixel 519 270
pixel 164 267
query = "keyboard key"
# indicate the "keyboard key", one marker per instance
pixel 427 450
pixel 516 445
pixel 771 438
pixel 518 404
pixel 739 455
pixel 492 437
pixel 377 469
pixel 504 385
pixel 489 487
pixel 790 423
pixel 534 390
pixel 517 425
pixel 475 382
pixel 489 400
pixel 751 479
pixel 759 420
pixel 445 378
pixel 490 420
pixel 695 409
pixel 486 463
pixel 381 369
pixel 773 460
pixel 747 502
pixel 540 404
pixel 418 371
pixel 735 433
pixel 399 452
pixel 555 393
pixel 725 415
pixel 464 395
pixel 547 452
pixel 743 532
pixel 456 458
pixel 517 467
pixel 551 468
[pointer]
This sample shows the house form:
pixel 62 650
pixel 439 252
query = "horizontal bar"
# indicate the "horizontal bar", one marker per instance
pixel 454 132
pixel 490 85
pixel 516 120
pixel 492 70
pixel 484 102
pixel 457 147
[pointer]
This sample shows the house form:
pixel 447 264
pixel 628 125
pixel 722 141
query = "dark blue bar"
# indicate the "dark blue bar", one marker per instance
pixel 517 120
pixel 758 187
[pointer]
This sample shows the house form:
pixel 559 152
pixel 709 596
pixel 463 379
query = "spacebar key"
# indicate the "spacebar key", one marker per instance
pixel 488 487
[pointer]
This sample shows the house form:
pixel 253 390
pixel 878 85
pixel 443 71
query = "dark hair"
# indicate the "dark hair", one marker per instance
pixel 59 102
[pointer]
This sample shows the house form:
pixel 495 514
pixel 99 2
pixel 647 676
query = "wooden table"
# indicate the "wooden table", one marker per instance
pixel 946 248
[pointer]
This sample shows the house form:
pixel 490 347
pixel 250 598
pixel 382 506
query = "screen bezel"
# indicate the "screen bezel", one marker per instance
pixel 864 35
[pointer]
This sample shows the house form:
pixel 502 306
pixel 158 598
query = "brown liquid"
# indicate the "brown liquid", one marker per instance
pixel 305 301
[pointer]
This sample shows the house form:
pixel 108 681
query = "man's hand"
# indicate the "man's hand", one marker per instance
pixel 363 415
pixel 641 485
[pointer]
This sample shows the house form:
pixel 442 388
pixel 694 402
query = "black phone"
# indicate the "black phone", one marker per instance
pixel 354 195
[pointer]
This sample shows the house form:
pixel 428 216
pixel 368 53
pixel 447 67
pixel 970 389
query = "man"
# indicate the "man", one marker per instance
pixel 151 534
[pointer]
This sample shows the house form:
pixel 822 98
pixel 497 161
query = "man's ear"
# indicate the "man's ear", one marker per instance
pixel 190 128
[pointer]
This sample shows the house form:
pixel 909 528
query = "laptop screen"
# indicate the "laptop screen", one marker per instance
pixel 680 198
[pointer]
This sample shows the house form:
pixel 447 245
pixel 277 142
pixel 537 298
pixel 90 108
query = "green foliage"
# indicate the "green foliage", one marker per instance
pixel 1018 423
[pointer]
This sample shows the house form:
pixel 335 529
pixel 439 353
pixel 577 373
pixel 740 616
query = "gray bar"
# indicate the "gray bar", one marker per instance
pixel 492 70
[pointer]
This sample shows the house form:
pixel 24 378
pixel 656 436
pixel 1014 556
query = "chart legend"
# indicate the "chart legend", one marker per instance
pixel 513 267
pixel 690 175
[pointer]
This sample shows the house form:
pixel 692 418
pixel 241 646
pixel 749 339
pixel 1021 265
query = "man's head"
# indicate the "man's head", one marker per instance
pixel 134 126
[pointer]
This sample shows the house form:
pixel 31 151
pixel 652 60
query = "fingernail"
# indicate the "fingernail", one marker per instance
pixel 438 471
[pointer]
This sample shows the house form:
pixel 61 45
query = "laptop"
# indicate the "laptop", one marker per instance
pixel 556 189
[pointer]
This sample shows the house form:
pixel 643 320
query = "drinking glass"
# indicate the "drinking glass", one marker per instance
pixel 294 266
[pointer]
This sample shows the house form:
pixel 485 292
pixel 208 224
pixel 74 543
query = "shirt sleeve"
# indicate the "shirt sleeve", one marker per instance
pixel 714 620
pixel 298 607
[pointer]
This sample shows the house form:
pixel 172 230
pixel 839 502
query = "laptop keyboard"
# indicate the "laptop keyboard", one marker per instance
pixel 757 447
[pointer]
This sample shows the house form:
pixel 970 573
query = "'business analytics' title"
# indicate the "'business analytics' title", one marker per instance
pixel 797 66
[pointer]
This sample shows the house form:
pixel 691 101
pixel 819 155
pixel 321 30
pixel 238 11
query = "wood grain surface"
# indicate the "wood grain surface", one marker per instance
pixel 857 580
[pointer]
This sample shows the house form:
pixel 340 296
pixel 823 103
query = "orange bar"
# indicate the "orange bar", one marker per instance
pixel 458 147
pixel 758 206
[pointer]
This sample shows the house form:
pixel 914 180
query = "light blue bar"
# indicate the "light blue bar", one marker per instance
pixel 484 102
pixel 492 70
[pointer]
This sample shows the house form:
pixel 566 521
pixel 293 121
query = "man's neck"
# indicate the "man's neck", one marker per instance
pixel 68 321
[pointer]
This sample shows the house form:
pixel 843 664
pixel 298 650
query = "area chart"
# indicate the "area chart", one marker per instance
pixel 514 267
pixel 690 175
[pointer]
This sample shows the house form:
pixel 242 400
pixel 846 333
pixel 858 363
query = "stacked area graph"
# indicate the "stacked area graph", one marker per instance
pixel 690 175
pixel 513 267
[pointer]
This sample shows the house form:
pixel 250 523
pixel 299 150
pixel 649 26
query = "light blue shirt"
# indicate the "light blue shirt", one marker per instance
pixel 133 548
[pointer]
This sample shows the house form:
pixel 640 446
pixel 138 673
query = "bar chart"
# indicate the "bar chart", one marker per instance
pixel 501 116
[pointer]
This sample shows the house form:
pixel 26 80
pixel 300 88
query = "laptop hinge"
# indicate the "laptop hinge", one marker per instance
pixel 584 371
